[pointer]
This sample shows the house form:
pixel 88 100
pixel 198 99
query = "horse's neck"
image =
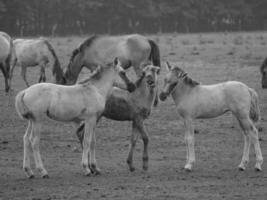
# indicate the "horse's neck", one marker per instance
pixel 145 94
pixel 105 83
pixel 181 92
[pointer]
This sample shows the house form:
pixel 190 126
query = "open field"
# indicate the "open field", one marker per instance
pixel 208 58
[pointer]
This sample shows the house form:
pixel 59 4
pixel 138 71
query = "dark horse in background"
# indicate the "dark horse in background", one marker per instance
pixel 132 51
pixel 7 57
pixel 263 70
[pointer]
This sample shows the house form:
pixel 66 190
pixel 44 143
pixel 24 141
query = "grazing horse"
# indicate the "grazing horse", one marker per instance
pixel 7 57
pixel 132 50
pixel 263 70
pixel 37 52
pixel 135 107
pixel 84 101
pixel 194 100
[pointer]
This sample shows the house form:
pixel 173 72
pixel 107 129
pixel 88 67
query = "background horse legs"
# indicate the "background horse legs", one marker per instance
pixel 5 73
pixel 190 144
pixel 42 74
pixel 23 75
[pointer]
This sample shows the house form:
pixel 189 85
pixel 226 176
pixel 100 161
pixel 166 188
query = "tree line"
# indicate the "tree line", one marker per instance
pixel 72 17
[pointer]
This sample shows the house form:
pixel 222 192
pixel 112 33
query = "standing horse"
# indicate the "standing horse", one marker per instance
pixel 135 107
pixel 81 102
pixel 132 50
pixel 263 70
pixel 194 100
pixel 37 52
pixel 7 57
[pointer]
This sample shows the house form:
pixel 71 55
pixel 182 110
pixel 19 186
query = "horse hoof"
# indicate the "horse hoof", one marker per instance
pixel 257 169
pixel 45 176
pixel 187 169
pixel 145 168
pixel 241 169
pixel 132 169
pixel 31 176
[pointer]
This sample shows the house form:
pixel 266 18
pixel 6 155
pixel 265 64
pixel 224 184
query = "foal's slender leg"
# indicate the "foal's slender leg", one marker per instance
pixel 27 150
pixel 35 142
pixel 190 142
pixel 141 128
pixel 134 138
pixel 23 75
pixel 87 143
pixel 92 159
pixel 247 142
pixel 249 127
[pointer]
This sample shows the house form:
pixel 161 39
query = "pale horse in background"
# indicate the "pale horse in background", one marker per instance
pixel 7 57
pixel 36 52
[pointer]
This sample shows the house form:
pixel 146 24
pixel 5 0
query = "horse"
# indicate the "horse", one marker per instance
pixel 37 52
pixel 263 70
pixel 132 50
pixel 84 101
pixel 194 100
pixel 7 57
pixel 135 107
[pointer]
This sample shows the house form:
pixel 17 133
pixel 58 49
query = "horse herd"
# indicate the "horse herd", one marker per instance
pixel 102 94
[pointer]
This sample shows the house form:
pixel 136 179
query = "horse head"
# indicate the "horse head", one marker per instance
pixel 263 71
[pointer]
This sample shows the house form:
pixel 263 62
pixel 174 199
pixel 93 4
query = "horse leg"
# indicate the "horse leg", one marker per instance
pixel 247 142
pixel 190 143
pixel 144 135
pixel 134 138
pixel 35 142
pixel 92 161
pixel 87 141
pixel 252 131
pixel 11 73
pixel 27 150
pixel 42 74
pixel 23 75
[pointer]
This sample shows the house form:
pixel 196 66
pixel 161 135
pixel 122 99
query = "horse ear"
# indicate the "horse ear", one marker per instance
pixel 117 61
pixel 184 75
pixel 157 69
pixel 168 66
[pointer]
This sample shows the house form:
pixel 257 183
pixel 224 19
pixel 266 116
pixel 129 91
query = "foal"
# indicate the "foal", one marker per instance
pixel 135 107
pixel 194 100
pixel 82 102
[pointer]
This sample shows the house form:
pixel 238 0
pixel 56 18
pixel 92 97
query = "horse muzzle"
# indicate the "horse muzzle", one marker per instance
pixel 151 83
pixel 163 96
pixel 264 85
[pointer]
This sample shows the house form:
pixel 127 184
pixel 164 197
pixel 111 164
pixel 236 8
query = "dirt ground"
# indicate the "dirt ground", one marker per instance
pixel 208 58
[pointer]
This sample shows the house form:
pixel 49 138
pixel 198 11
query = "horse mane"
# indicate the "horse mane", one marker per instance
pixel 87 43
pixel 96 75
pixel 139 81
pixel 189 81
pixel 264 65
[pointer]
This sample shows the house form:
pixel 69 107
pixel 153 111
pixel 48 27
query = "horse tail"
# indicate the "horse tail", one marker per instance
pixel 154 53
pixel 254 112
pixel 56 70
pixel 155 58
pixel 22 110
